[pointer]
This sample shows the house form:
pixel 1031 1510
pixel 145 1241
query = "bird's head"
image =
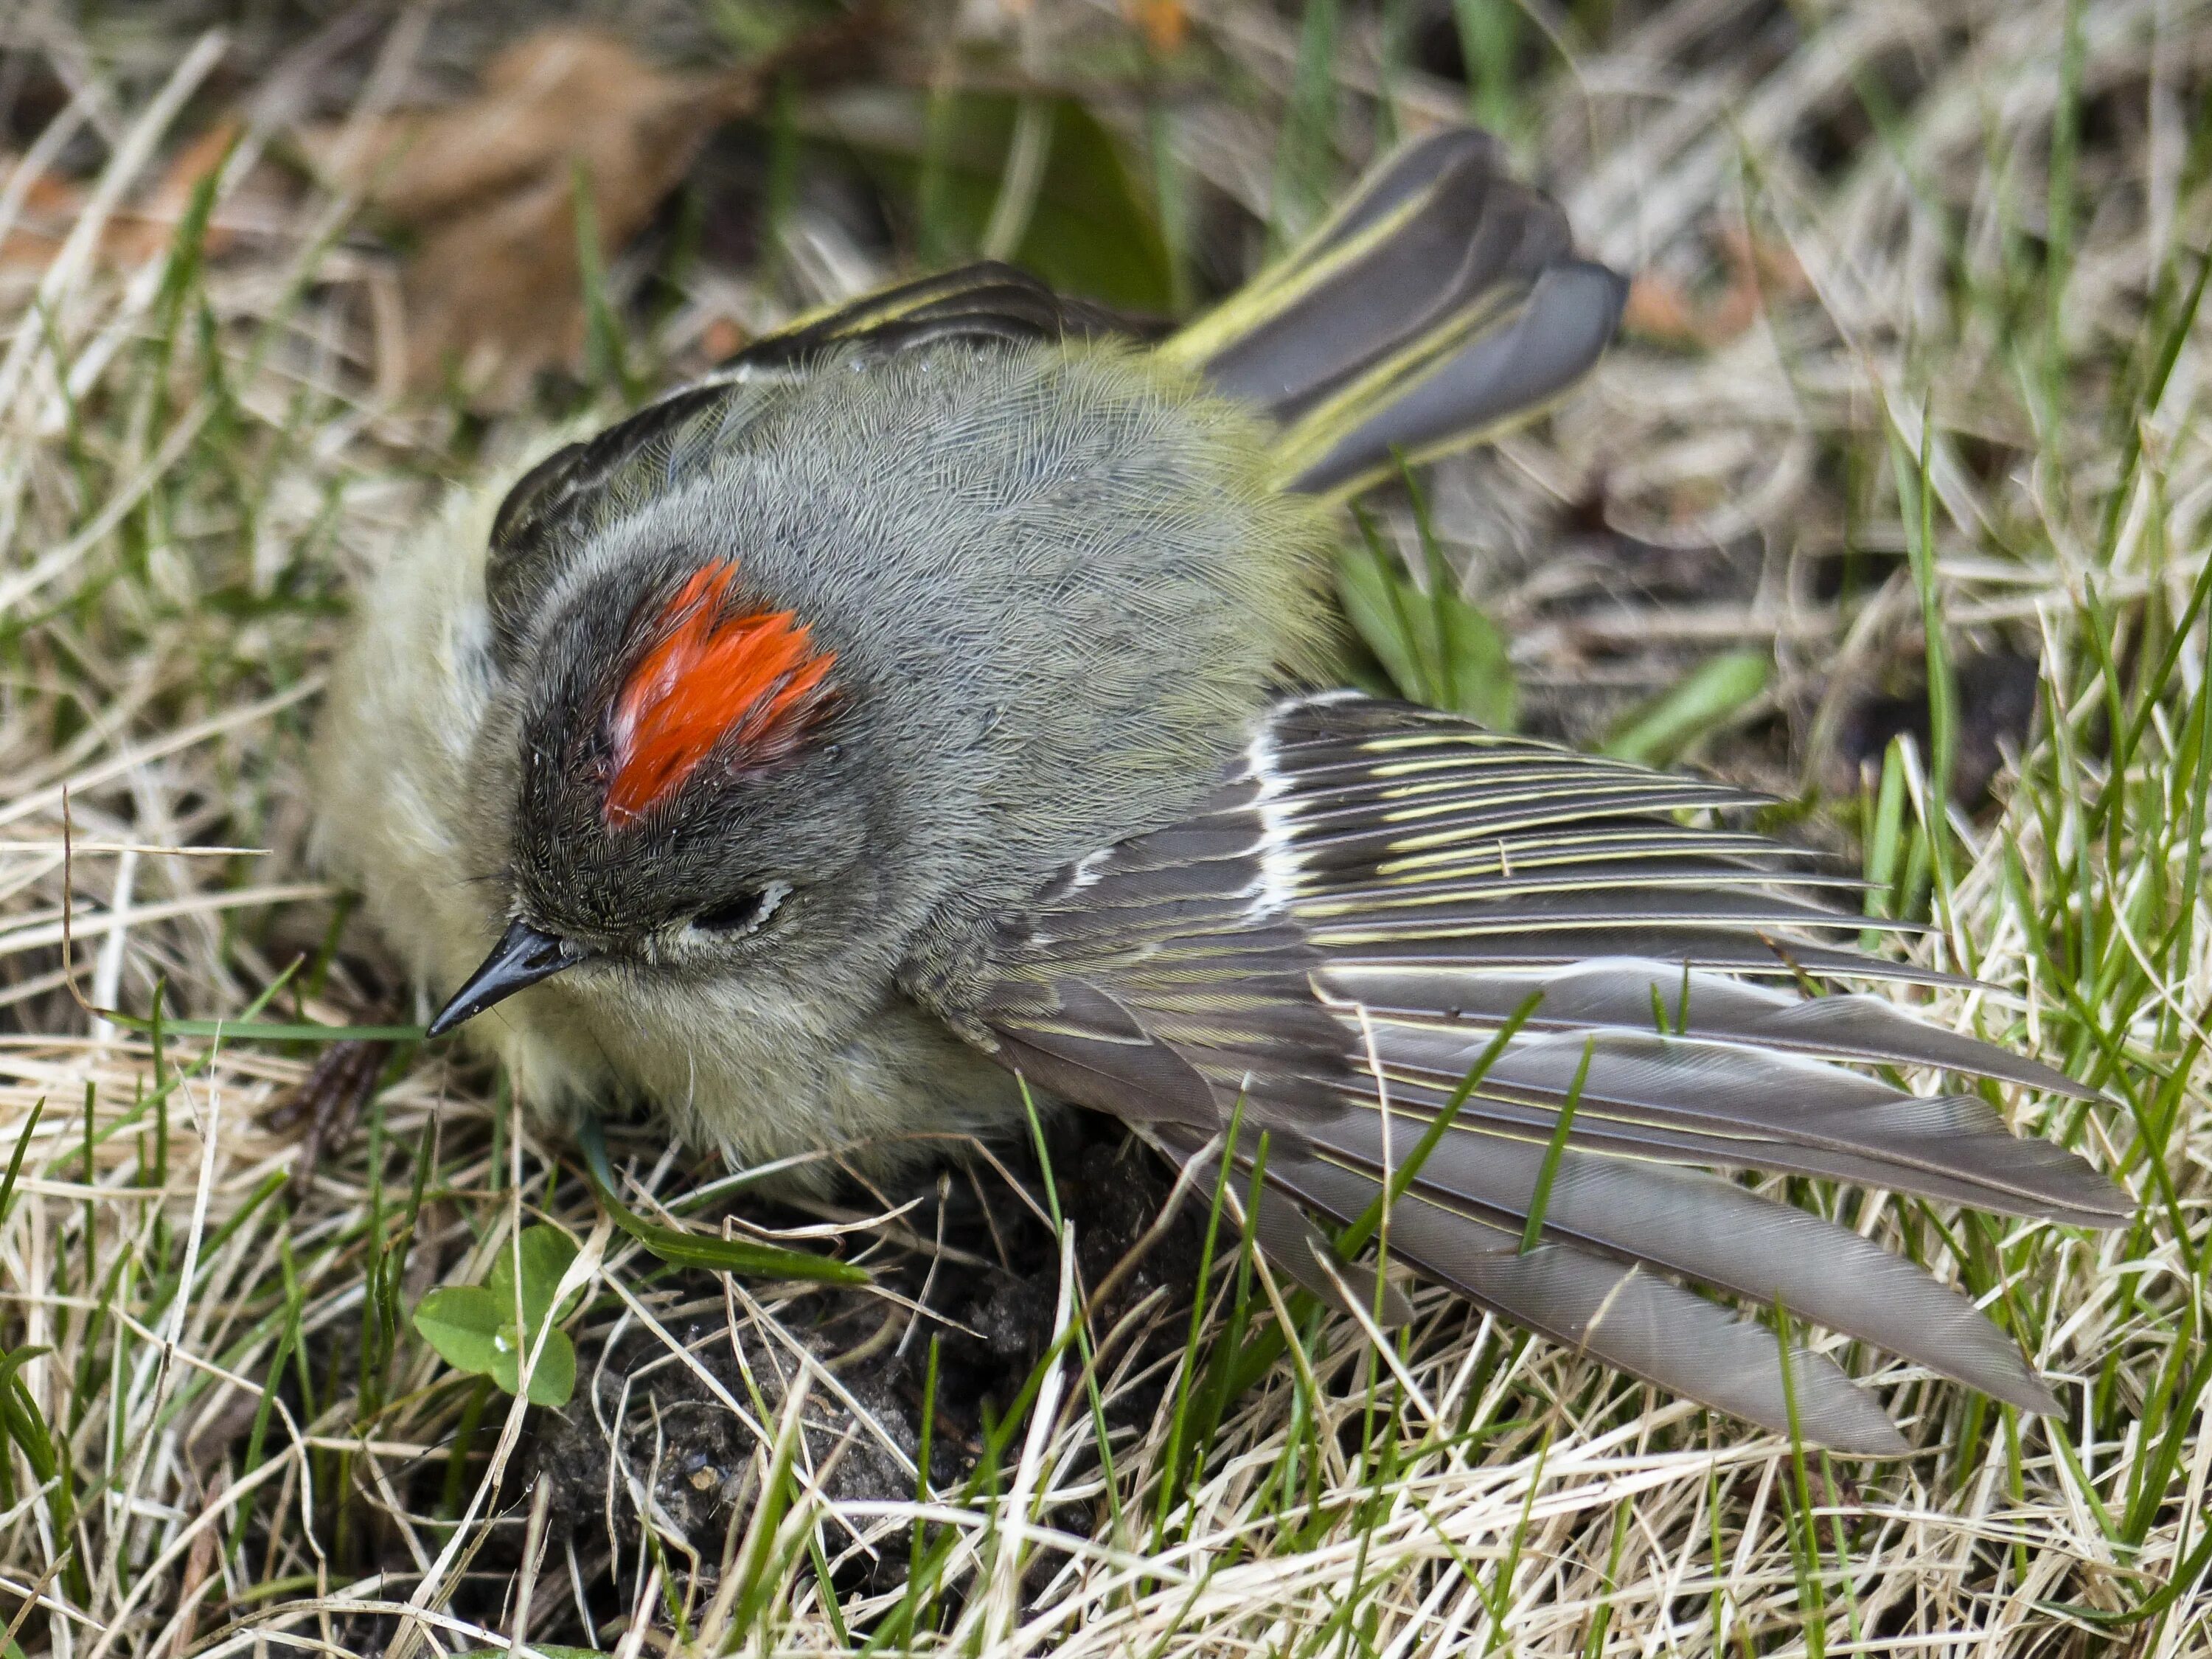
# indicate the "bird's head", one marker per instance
pixel 682 799
pixel 800 686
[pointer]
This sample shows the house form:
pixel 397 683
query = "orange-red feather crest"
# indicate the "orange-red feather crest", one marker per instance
pixel 711 675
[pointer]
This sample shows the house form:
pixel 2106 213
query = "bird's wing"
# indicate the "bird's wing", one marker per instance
pixel 1325 952
pixel 985 304
pixel 1441 302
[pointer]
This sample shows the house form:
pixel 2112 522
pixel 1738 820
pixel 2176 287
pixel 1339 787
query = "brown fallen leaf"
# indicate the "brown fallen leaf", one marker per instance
pixel 1658 310
pixel 493 292
pixel 1760 272
pixel 51 204
pixel 1164 24
pixel 144 229
pixel 560 95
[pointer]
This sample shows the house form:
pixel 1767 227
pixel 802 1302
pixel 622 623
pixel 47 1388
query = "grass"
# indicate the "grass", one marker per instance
pixel 1962 416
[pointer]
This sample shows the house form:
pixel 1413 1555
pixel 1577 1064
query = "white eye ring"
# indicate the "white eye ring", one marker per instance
pixel 766 903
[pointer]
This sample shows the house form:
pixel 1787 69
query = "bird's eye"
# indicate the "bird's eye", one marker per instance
pixel 744 913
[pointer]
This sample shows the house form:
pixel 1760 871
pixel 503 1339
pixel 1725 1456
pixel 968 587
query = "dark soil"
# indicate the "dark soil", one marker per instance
pixel 644 1421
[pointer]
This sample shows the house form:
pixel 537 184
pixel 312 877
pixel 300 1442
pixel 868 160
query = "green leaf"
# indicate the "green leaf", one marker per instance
pixel 15 1159
pixel 1481 683
pixel 1663 728
pixel 1437 649
pixel 545 1253
pixel 21 1421
pixel 472 1327
pixel 462 1323
pixel 2178 1582
pixel 1369 592
pixel 555 1379
pixel 1089 231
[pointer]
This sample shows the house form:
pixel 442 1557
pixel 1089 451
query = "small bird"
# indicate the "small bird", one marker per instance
pixel 934 705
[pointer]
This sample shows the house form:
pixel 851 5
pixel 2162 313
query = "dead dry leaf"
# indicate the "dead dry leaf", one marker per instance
pixel 51 204
pixel 494 292
pixel 1658 310
pixel 1760 273
pixel 1164 24
pixel 143 229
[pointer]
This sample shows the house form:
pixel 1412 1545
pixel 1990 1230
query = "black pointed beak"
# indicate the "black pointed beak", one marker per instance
pixel 523 956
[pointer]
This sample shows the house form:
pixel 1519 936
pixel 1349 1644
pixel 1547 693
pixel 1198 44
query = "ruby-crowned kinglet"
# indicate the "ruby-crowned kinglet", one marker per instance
pixel 929 701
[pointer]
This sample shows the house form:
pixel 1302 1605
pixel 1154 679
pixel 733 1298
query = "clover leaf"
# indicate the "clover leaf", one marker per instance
pixel 473 1327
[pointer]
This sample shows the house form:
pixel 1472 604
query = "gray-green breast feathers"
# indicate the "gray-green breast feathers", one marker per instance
pixel 1374 891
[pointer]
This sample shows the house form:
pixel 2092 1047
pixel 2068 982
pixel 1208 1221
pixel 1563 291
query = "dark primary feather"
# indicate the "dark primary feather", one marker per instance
pixel 1392 269
pixel 1441 302
pixel 1374 890
pixel 1641 1324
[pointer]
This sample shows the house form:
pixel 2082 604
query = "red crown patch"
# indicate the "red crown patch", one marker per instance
pixel 751 679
